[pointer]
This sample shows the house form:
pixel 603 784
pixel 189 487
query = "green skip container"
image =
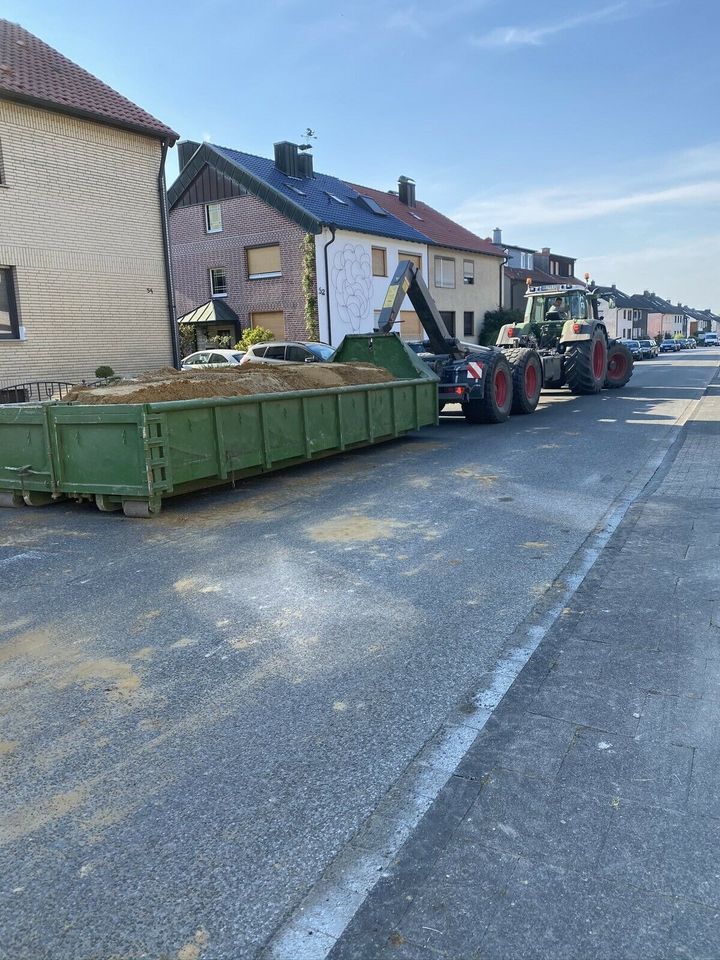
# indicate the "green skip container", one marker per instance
pixel 130 456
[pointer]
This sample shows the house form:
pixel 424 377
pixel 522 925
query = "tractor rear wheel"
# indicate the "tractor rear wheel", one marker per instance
pixel 586 363
pixel 527 379
pixel 496 403
pixel 619 366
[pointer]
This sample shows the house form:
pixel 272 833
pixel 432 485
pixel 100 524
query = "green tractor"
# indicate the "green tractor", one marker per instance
pixel 563 330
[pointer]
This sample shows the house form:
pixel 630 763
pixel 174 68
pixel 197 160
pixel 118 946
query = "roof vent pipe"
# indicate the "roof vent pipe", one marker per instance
pixel 497 236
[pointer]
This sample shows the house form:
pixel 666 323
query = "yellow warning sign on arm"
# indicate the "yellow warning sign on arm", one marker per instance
pixel 390 298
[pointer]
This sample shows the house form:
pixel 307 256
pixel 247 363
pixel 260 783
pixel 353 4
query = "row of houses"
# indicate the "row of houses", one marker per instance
pixel 637 316
pixel 98 260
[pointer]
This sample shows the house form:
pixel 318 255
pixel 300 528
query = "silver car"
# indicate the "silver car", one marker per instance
pixel 289 351
pixel 212 359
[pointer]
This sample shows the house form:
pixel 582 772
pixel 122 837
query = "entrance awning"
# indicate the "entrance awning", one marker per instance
pixel 213 312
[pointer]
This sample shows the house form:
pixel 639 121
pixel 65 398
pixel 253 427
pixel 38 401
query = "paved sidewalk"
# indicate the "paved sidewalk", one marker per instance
pixel 585 820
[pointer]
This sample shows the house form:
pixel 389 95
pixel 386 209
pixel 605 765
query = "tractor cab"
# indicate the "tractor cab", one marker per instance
pixel 554 314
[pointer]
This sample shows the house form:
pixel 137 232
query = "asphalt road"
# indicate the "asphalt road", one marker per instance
pixel 198 711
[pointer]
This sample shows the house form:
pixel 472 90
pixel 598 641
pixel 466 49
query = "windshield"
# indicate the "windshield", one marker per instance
pixel 632 343
pixel 557 308
pixel 320 350
pixel 645 343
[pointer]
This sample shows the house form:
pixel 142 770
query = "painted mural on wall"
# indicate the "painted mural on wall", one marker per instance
pixel 352 284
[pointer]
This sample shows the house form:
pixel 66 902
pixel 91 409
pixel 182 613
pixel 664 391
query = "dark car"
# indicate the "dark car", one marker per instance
pixel 634 348
pixel 669 346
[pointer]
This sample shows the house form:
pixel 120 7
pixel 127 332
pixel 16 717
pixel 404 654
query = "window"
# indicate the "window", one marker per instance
pixel 372 205
pixel 9 320
pixel 468 271
pixel 298 354
pixel 468 323
pixel 444 272
pixel 412 257
pixel 217 358
pixel 213 218
pixel 379 261
pixel 218 282
pixel 263 262
pixel 275 352
pixel 272 320
pixel 526 261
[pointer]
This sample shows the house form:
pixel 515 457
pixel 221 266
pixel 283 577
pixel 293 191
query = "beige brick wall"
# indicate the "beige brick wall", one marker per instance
pixel 80 222
pixel 479 297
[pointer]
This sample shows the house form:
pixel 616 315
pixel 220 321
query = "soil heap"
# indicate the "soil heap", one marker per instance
pixel 244 380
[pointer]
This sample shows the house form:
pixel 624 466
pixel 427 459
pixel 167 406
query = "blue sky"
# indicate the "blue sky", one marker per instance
pixel 589 127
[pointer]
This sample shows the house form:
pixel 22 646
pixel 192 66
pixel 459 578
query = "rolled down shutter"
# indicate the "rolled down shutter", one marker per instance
pixel 410 327
pixel 274 321
pixel 263 260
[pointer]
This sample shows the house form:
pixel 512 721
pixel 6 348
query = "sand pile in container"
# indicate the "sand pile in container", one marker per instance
pixel 244 380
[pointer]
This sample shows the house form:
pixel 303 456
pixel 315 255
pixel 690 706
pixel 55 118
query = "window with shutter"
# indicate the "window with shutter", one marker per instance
pixel 263 262
pixel 379 261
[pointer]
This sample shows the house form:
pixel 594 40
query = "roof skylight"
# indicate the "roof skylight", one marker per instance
pixel 414 215
pixel 372 205
pixel 332 196
pixel 295 189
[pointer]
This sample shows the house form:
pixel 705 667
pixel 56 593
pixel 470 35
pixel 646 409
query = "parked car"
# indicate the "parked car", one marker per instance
pixel 669 346
pixel 204 359
pixel 692 343
pixel 711 340
pixel 634 348
pixel 290 351
pixel 683 343
pixel 649 349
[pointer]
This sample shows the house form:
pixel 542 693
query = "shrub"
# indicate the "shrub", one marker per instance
pixel 494 319
pixel 104 373
pixel 252 336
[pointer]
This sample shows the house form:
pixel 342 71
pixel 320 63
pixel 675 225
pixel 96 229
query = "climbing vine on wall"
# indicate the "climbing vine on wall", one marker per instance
pixel 312 325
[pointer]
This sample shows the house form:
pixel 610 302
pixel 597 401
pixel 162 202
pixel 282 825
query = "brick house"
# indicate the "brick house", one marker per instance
pixel 262 235
pixel 84 267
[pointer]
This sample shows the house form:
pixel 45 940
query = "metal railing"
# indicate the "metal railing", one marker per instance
pixel 34 391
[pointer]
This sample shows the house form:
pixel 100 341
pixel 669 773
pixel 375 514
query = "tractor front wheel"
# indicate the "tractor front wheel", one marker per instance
pixel 586 364
pixel 495 404
pixel 619 366
pixel 527 379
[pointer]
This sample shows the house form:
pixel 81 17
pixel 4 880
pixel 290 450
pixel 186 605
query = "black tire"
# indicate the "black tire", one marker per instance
pixel 586 364
pixel 619 366
pixel 495 405
pixel 527 379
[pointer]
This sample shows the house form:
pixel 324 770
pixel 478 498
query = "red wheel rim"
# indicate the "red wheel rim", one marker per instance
pixel 617 365
pixel 501 388
pixel 531 380
pixel 598 360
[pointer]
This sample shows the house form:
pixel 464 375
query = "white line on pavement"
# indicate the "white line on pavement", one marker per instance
pixel 321 918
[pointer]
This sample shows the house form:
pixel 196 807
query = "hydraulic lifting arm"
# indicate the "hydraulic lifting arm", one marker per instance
pixel 407 281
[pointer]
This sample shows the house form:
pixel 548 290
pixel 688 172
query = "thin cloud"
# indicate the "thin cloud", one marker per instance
pixel 582 202
pixel 508 37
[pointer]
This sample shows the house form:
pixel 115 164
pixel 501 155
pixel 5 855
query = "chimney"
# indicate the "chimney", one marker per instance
pixel 286 158
pixel 497 237
pixel 646 293
pixel 406 191
pixel 305 164
pixel 186 148
pixel 614 287
pixel 546 250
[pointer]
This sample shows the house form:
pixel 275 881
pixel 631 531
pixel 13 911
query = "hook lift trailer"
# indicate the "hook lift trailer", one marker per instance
pixel 562 341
